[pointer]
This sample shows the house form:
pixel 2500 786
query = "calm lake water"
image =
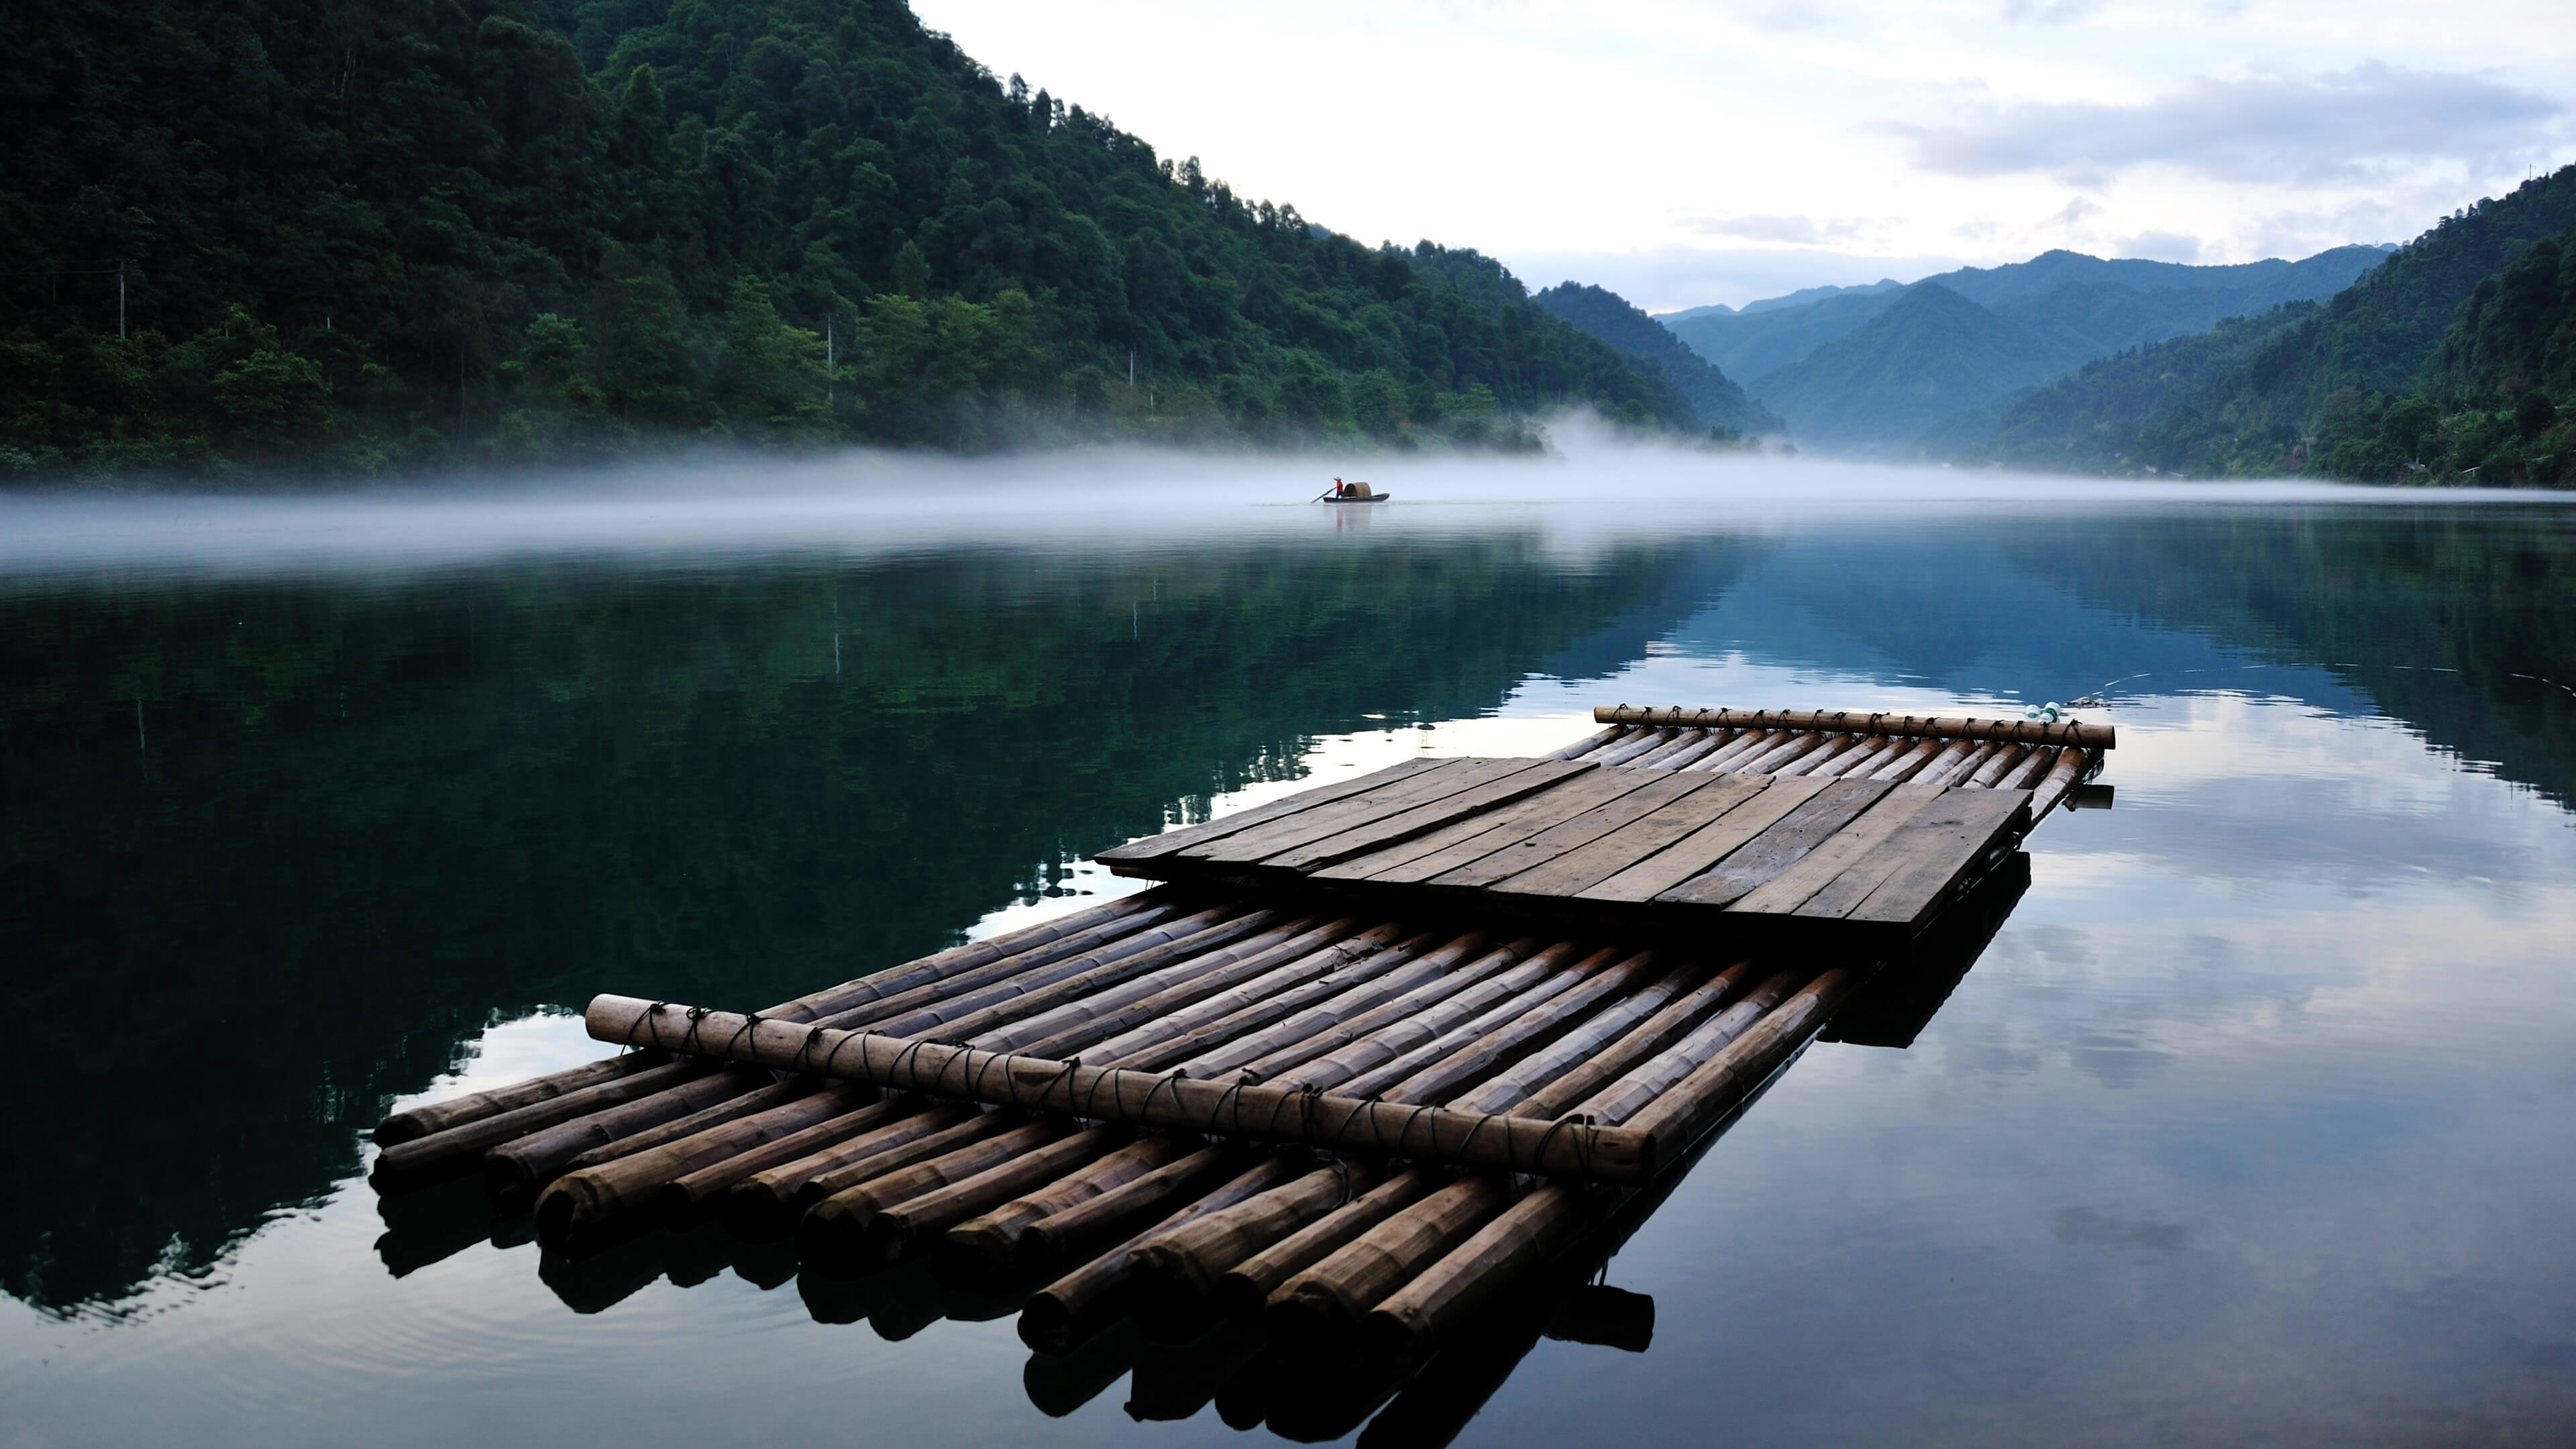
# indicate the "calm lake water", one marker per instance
pixel 2255 1123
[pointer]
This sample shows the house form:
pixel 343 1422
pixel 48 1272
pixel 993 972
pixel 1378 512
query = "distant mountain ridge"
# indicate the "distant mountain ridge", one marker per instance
pixel 1931 353
pixel 2079 307
pixel 1798 298
pixel 2247 399
pixel 1713 396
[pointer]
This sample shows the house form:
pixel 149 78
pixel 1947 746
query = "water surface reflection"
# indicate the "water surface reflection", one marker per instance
pixel 2251 1123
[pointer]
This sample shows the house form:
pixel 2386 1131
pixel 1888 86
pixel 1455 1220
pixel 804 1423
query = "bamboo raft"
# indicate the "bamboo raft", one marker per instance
pixel 1365 1063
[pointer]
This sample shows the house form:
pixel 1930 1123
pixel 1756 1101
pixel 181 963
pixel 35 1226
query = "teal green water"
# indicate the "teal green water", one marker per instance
pixel 2256 1121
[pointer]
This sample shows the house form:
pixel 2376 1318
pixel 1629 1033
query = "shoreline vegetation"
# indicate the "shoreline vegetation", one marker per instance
pixel 248 244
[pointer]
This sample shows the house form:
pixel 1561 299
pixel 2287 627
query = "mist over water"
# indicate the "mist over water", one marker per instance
pixel 2251 1124
pixel 1595 487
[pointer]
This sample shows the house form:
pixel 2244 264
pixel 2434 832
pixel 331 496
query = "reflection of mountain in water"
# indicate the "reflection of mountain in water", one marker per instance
pixel 1959 610
pixel 369 821
pixel 2453 621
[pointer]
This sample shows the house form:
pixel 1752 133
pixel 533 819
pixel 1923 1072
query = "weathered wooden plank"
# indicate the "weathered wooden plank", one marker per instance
pixel 1785 892
pixel 1473 803
pixel 1708 845
pixel 1786 842
pixel 1637 840
pixel 1657 790
pixel 1938 846
pixel 1446 778
pixel 1472 839
pixel 1153 847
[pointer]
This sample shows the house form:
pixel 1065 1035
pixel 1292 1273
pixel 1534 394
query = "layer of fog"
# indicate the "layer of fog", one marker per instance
pixel 1592 489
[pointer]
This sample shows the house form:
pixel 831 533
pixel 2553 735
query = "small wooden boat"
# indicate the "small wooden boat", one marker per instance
pixel 1356 493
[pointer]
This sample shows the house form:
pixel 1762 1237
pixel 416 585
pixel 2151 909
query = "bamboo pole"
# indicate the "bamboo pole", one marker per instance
pixel 1326 1302
pixel 2030 771
pixel 1657 1032
pixel 1452 1291
pixel 434 1117
pixel 1176 1272
pixel 2070 732
pixel 1678 742
pixel 1421 1051
pixel 1374 1038
pixel 1642 743
pixel 1257 1113
pixel 2003 759
pixel 1702 1100
pixel 1641 1086
pixel 514 1171
pixel 1437 1075
pixel 1956 772
pixel 895 1227
pixel 459 1148
pixel 976 1011
pixel 1910 762
pixel 1242 1290
pixel 1081 1302
pixel 768 1201
pixel 1585 1042
pixel 1797 746
pixel 1158 1043
pixel 1860 769
pixel 590 1197
pixel 1702 745
pixel 1433 981
pixel 1820 761
pixel 1058 1235
pixel 833 1232
pixel 2061 778
pixel 1068 1029
pixel 415 1123
pixel 992 1240
pixel 758 1102
pixel 689 1197
pixel 1290 1017
pixel 1744 747
pixel 1589 743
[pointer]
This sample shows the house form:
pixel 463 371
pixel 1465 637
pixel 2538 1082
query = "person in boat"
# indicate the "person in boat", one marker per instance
pixel 1341 489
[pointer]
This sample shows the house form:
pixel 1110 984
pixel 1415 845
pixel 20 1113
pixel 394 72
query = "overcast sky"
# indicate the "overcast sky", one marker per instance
pixel 1684 152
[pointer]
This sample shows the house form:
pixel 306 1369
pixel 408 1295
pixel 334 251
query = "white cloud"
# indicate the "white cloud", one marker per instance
pixel 2265 128
pixel 2049 12
pixel 1784 143
pixel 2160 246
pixel 1792 230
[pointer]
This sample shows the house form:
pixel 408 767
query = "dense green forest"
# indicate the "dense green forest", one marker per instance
pixel 2358 387
pixel 2494 404
pixel 359 237
pixel 1716 402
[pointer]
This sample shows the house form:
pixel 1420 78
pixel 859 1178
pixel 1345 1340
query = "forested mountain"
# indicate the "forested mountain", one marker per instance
pixel 1930 354
pixel 1714 398
pixel 2102 304
pixel 365 236
pixel 2495 403
pixel 2253 398
pixel 1751 344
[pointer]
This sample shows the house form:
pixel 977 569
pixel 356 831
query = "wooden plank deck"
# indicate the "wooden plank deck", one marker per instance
pixel 1823 826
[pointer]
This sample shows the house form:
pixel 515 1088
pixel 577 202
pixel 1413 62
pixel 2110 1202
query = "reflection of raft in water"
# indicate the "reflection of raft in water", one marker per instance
pixel 1373 1064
